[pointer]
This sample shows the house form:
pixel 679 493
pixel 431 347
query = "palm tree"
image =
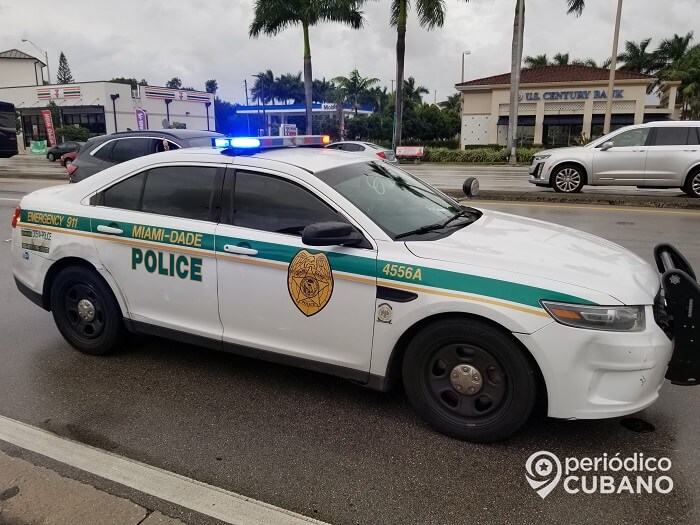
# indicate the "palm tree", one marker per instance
pixel 674 48
pixel 355 86
pixel 273 16
pixel 263 89
pixel 431 14
pixel 289 87
pixel 413 93
pixel 636 58
pixel 561 59
pixel 589 62
pixel 536 61
pixel 452 103
pixel 573 7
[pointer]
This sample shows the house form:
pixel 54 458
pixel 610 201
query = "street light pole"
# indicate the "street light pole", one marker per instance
pixel 46 56
pixel 464 53
pixel 613 65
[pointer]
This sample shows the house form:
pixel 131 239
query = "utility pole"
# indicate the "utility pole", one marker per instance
pixel 613 65
pixel 515 88
pixel 247 115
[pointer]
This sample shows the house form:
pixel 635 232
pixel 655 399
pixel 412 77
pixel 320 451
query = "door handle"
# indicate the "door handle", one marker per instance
pixel 239 250
pixel 111 230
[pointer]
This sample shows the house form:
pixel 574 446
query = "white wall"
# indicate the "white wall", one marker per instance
pixel 19 72
pixel 98 93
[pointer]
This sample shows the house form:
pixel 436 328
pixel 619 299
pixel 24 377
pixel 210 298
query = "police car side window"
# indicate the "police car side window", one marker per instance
pixel 180 191
pixel 268 203
pixel 125 195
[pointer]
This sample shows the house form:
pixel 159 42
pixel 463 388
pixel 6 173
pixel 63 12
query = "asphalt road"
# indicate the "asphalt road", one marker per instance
pixel 327 448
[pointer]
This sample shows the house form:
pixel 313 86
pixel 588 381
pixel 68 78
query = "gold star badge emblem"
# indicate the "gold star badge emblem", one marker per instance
pixel 310 282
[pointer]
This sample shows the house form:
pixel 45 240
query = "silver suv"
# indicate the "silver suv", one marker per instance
pixel 653 155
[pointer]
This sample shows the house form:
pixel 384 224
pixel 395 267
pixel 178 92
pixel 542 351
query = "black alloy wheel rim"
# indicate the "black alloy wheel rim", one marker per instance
pixel 490 396
pixel 85 328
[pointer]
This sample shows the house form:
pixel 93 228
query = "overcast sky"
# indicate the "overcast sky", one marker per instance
pixel 197 40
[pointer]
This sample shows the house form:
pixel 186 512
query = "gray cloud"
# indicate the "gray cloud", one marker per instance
pixel 198 40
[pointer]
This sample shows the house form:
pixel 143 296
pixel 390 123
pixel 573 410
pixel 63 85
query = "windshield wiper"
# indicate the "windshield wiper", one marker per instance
pixel 436 226
pixel 461 213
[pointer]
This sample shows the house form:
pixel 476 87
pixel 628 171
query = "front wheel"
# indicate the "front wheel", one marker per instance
pixel 568 179
pixel 85 311
pixel 468 380
pixel 51 157
pixel 67 162
pixel 692 185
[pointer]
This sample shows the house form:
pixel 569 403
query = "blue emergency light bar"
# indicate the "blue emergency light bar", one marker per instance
pixel 241 145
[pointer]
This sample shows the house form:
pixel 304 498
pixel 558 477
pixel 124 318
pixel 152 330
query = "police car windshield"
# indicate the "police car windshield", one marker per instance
pixel 400 204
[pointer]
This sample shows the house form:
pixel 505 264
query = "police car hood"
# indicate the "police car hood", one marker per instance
pixel 530 247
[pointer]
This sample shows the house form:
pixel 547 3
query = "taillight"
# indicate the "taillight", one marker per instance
pixel 13 138
pixel 71 169
pixel 381 155
pixel 15 217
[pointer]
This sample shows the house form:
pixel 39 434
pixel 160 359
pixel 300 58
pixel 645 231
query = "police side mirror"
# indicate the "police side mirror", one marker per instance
pixel 471 187
pixel 606 146
pixel 331 234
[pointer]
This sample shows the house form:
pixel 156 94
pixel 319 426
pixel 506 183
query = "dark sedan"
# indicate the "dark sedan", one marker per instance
pixel 57 151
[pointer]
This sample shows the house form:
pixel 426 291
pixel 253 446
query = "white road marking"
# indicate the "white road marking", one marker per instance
pixel 7 199
pixel 218 503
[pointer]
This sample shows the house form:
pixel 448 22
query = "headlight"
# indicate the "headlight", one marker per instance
pixel 541 157
pixel 610 318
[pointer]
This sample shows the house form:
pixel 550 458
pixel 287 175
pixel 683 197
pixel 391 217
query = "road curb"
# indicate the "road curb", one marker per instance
pixel 662 201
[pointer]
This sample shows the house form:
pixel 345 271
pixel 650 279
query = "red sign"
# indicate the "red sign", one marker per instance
pixel 48 124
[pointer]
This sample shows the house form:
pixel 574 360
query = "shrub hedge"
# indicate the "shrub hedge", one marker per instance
pixel 479 155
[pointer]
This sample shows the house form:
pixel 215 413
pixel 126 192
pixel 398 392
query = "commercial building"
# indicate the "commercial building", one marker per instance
pixel 559 105
pixel 101 107
pixel 276 115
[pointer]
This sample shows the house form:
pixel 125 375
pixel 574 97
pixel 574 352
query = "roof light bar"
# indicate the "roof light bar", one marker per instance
pixel 241 144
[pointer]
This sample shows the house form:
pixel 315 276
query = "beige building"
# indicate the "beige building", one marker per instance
pixel 558 105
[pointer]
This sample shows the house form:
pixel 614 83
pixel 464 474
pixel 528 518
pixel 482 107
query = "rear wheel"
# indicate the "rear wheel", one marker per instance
pixel 692 185
pixel 469 380
pixel 568 178
pixel 85 311
pixel 67 162
pixel 51 157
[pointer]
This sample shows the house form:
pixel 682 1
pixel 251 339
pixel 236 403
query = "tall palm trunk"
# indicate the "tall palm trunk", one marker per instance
pixel 516 59
pixel 308 81
pixel 400 55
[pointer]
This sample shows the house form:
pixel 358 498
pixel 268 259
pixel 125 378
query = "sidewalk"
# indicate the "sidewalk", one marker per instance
pixel 32 494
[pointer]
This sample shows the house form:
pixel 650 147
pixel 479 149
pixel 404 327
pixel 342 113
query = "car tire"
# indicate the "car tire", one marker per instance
pixel 496 380
pixel 85 311
pixel 692 184
pixel 568 178
pixel 51 157
pixel 67 163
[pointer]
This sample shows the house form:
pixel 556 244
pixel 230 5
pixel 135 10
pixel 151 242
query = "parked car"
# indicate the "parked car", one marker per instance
pixel 368 149
pixel 107 150
pixel 67 158
pixel 652 155
pixel 58 151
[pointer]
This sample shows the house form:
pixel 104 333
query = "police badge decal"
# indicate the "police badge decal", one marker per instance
pixel 310 282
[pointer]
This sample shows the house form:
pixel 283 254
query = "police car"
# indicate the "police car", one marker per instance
pixel 334 263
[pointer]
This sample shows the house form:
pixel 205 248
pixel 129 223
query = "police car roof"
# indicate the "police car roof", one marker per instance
pixel 307 158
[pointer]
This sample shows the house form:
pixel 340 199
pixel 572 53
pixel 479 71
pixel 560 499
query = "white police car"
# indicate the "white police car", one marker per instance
pixel 331 262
